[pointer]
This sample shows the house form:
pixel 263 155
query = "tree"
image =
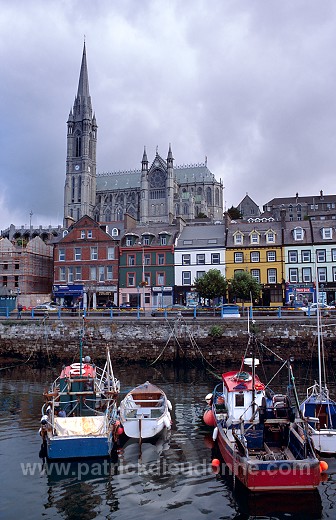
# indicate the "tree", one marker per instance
pixel 244 286
pixel 234 213
pixel 211 285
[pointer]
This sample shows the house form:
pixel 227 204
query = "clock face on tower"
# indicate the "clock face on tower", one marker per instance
pixel 157 179
pixel 77 167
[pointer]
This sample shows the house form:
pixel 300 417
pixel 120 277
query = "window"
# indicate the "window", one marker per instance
pixel 82 234
pixel 5 267
pixel 129 241
pixel 334 274
pixel 305 256
pixel 238 239
pixel 163 241
pixel 254 238
pixel 271 276
pixel 215 258
pixel 270 237
pixel 293 275
pixel 130 279
pixel 94 253
pixel 306 274
pixel 238 258
pixel 200 259
pixel 255 273
pixel 186 277
pixel 199 274
pixel 130 259
pixel 109 272
pixel 292 257
pixel 70 275
pixel 298 233
pixel 186 259
pixel 78 273
pixel 101 273
pixel 78 253
pixel 160 278
pixel 271 256
pixel 147 259
pixel 320 255
pixel 322 274
pixel 61 254
pixel 93 273
pixel 146 241
pixel 239 400
pixel 327 233
pixel 187 242
pixel 89 234
pixel 333 255
pixel 161 259
pixel 255 256
pixel 110 253
pixel 147 278
pixel 62 274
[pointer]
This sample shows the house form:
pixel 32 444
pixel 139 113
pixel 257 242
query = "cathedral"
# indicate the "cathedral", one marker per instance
pixel 158 192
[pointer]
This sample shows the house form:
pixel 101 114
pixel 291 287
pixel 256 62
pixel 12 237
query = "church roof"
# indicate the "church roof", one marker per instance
pixel 131 179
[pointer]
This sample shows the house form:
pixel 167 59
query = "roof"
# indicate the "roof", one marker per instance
pixel 130 179
pixel 202 235
pixel 240 381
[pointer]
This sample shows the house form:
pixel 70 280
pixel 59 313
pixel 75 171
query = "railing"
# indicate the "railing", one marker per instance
pixel 167 312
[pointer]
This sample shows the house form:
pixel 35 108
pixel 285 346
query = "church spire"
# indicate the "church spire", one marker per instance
pixel 83 85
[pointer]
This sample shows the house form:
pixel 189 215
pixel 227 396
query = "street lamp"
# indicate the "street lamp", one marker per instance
pixel 143 281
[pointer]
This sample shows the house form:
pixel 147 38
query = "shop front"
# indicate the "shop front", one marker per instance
pixel 69 295
pixel 162 297
pixel 300 294
pixel 107 296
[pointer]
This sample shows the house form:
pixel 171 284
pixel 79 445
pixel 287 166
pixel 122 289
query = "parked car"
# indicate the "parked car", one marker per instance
pixel 46 307
pixel 312 309
pixel 125 305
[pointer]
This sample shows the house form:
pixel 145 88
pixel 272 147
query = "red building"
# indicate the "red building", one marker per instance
pixel 86 265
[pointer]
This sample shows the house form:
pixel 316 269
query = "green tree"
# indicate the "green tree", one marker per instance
pixel 244 286
pixel 234 213
pixel 211 285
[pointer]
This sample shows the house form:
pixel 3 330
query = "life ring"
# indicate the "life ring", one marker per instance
pixel 75 372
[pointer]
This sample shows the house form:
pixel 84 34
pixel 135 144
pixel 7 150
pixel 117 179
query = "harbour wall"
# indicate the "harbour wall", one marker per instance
pixel 147 340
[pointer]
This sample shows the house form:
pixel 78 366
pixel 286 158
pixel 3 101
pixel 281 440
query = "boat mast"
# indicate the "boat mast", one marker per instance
pixel 318 328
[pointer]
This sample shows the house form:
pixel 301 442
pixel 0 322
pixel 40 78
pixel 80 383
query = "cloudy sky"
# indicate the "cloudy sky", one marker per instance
pixel 249 84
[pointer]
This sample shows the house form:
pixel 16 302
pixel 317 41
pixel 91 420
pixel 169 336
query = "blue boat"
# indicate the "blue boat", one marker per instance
pixel 79 416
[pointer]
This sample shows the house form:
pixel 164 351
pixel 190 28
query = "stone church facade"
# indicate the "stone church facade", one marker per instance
pixel 158 192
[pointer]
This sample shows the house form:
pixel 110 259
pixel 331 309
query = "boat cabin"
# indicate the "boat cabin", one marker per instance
pixel 238 394
pixel 76 390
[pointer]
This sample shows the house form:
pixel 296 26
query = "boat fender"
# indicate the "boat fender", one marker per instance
pixel 214 434
pixel 169 405
pixel 208 398
pixel 166 422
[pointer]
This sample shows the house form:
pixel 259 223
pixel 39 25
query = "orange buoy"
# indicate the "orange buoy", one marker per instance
pixel 323 466
pixel 120 430
pixel 209 418
pixel 215 463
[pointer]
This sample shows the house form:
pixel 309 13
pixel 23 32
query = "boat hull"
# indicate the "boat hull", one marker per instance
pixel 324 441
pixel 270 475
pixel 144 428
pixel 79 447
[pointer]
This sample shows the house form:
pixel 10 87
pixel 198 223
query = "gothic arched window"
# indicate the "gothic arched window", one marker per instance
pixel 208 195
pixel 78 145
pixel 217 197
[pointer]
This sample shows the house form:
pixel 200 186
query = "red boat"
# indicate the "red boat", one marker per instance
pixel 259 437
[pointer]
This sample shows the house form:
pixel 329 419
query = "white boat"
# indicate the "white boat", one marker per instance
pixel 318 408
pixel 145 412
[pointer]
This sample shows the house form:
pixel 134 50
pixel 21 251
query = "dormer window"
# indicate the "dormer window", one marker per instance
pixel 129 241
pixel 298 233
pixel 146 241
pixel 327 233
pixel 163 241
pixel 115 232
pixel 254 237
pixel 270 237
pixel 238 238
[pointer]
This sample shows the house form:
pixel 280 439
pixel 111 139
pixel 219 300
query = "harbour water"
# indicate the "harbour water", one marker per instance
pixel 171 479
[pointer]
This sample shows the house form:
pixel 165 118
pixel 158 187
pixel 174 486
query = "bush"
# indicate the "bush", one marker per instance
pixel 216 331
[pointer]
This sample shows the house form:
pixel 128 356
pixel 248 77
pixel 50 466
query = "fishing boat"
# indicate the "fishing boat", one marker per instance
pixel 145 412
pixel 79 415
pixel 258 435
pixel 318 407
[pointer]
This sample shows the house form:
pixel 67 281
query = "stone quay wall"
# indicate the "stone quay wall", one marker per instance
pixel 146 340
